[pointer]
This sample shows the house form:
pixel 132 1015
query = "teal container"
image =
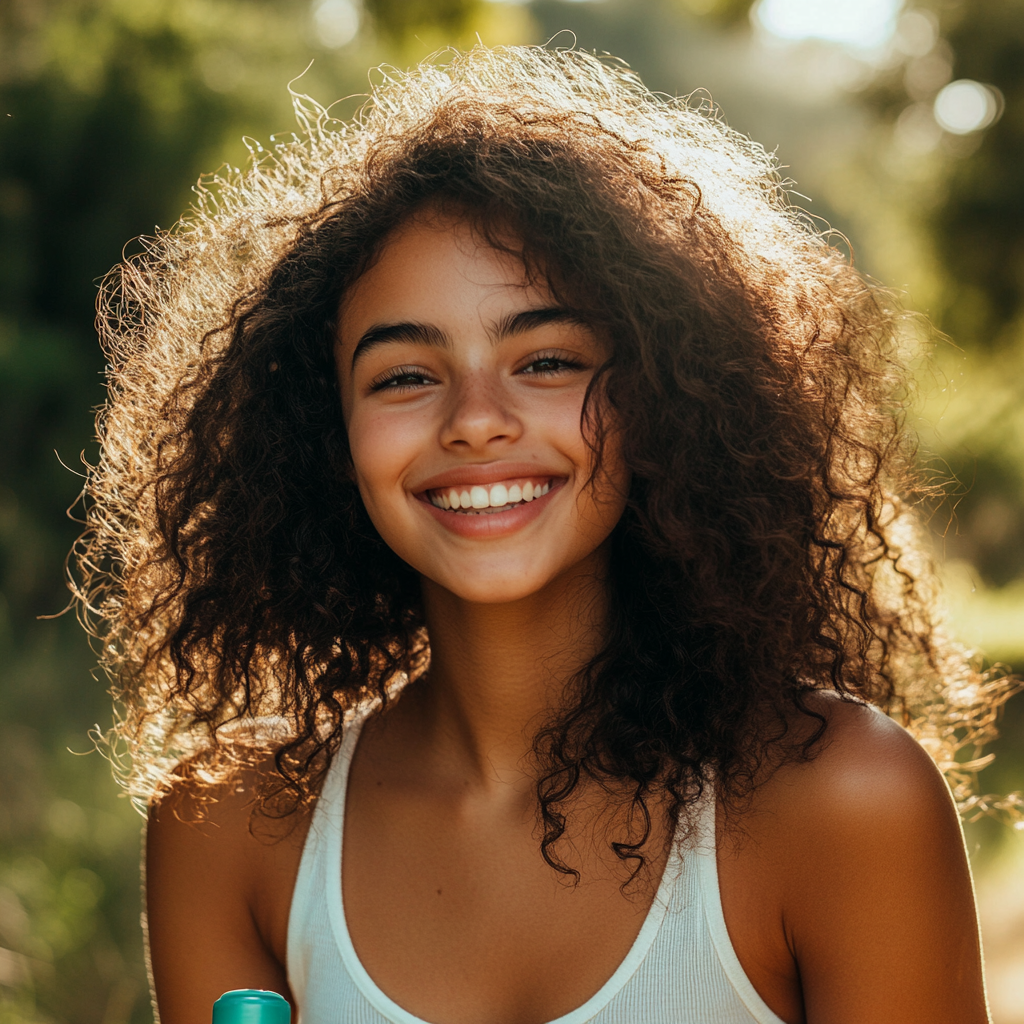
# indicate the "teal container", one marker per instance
pixel 252 1006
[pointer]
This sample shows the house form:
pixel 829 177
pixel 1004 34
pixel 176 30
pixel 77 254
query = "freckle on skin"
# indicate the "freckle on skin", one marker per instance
pixel 438 892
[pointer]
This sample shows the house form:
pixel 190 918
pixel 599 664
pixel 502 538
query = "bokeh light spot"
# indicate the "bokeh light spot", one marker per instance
pixel 916 132
pixel 336 22
pixel 916 32
pixel 858 23
pixel 966 106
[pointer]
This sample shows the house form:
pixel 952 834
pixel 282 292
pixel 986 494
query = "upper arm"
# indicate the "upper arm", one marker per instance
pixel 879 910
pixel 202 933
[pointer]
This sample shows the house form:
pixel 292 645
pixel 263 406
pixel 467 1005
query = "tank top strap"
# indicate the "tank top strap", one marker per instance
pixel 309 911
pixel 703 861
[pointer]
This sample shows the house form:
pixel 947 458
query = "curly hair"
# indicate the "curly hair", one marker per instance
pixel 240 591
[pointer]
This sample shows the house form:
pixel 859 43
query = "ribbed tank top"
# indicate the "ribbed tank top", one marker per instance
pixel 681 968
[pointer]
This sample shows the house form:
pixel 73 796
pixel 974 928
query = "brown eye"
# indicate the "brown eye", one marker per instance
pixel 400 378
pixel 549 365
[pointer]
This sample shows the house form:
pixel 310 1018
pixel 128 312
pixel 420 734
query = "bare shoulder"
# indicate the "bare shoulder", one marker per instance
pixel 190 808
pixel 216 836
pixel 870 799
pixel 209 818
pixel 860 855
pixel 218 891
pixel 866 764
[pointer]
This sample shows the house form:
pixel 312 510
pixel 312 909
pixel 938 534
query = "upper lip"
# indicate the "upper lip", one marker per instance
pixel 484 473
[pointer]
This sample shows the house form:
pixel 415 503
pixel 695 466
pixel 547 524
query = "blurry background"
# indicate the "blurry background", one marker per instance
pixel 903 122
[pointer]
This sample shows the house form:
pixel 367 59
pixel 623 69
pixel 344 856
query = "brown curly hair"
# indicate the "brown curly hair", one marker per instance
pixel 242 594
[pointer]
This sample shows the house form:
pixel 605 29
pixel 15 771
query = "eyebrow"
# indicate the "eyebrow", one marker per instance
pixel 530 319
pixel 425 334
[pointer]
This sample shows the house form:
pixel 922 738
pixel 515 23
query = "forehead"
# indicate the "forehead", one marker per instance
pixel 437 268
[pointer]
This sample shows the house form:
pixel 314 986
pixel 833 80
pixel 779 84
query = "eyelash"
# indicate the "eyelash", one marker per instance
pixel 565 363
pixel 386 382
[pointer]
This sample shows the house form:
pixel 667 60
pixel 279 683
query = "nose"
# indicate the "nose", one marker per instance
pixel 479 416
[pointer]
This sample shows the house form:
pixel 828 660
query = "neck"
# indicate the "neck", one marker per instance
pixel 498 671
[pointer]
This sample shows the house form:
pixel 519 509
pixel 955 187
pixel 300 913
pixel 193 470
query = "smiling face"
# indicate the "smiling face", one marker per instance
pixel 462 386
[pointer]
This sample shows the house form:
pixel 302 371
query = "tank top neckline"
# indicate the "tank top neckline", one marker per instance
pixel 330 816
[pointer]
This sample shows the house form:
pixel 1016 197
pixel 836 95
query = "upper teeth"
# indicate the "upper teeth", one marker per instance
pixel 497 496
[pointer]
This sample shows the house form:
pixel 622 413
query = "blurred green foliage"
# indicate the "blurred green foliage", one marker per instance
pixel 110 110
pixel 398 18
pixel 979 229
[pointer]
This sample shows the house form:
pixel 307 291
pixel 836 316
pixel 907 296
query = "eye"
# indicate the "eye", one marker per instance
pixel 549 364
pixel 401 378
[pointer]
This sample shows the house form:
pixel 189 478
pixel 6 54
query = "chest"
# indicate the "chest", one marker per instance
pixel 455 915
pixel 442 909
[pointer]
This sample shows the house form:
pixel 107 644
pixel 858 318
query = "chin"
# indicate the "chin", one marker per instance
pixel 494 585
pixel 491 591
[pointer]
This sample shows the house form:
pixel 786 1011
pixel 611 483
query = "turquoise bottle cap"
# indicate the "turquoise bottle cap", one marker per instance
pixel 251 1006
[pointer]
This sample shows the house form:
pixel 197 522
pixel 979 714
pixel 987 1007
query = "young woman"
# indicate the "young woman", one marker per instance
pixel 501 550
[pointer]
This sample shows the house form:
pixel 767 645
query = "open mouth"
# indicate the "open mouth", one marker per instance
pixel 488 500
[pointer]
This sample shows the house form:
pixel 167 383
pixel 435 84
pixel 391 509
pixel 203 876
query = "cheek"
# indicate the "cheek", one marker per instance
pixel 557 419
pixel 382 447
pixel 607 495
pixel 603 502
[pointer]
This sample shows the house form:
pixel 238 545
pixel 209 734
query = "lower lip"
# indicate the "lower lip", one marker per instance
pixel 497 524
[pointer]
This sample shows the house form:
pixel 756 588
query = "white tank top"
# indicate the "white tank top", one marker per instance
pixel 681 968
